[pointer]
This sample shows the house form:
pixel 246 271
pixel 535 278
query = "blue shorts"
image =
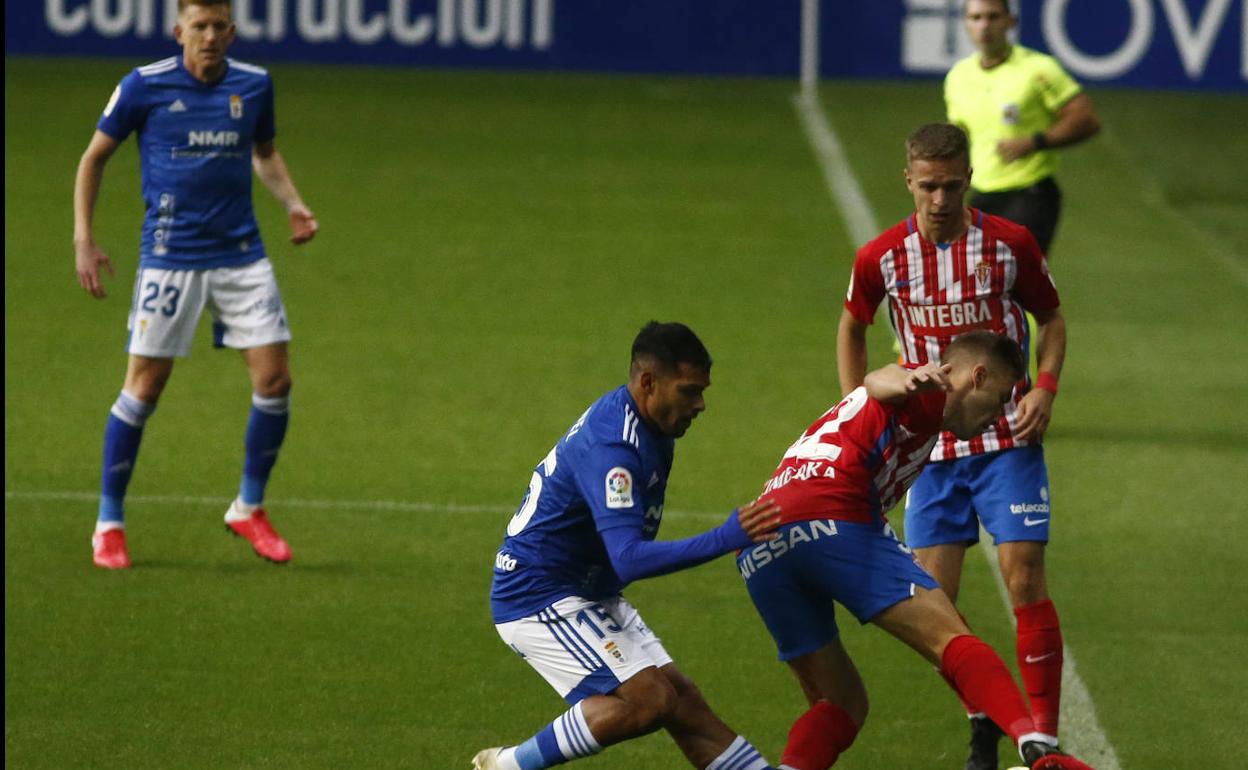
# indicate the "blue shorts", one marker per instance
pixel 1008 491
pixel 794 580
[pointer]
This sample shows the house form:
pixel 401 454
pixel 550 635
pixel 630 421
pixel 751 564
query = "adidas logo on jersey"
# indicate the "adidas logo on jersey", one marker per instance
pixel 177 106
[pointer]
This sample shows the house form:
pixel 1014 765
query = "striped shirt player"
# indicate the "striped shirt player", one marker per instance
pixel 202 122
pixel 988 279
pixel 835 485
pixel 585 529
pixel 944 271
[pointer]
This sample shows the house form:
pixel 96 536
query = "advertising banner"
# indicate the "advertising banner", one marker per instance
pixel 1147 43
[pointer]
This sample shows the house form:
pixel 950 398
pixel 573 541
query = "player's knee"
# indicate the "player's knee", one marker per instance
pixel 652 708
pixel 275 384
pixel 147 385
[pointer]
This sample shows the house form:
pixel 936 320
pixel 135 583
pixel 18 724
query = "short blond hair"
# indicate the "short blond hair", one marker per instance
pixel 184 4
pixel 937 141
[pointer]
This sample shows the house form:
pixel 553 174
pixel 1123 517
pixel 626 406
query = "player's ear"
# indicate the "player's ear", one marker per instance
pixel 979 375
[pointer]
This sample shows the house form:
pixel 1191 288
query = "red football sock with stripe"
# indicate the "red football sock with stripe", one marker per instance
pixel 1040 661
pixel 980 677
pixel 818 737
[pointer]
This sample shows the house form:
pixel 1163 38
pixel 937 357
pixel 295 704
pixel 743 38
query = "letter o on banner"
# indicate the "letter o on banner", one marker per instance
pixel 1110 65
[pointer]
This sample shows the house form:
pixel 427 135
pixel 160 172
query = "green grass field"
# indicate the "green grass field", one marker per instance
pixel 490 244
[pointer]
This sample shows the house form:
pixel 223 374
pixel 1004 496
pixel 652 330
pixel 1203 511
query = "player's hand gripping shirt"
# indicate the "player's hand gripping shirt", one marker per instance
pixel 195 143
pixel 1017 98
pixel 984 280
pixel 609 470
pixel 857 460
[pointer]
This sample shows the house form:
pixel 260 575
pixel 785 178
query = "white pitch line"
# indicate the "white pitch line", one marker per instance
pixel 1083 735
pixel 414 506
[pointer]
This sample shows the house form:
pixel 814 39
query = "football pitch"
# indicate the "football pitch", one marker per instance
pixel 490 244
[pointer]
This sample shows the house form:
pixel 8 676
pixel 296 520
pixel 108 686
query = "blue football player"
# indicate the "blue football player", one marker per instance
pixel 584 531
pixel 203 122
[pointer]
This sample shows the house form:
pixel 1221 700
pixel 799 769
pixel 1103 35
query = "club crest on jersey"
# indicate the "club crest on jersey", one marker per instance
pixel 619 488
pixel 983 274
pixel 236 106
pixel 1010 114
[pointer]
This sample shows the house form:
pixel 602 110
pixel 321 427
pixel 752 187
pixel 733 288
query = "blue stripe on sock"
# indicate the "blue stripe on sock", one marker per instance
pixel 529 755
pixel 573 735
pixel 549 746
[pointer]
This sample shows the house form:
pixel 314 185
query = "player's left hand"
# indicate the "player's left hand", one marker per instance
pixel 1011 150
pixel 303 225
pixel 1034 413
pixel 759 519
pixel 929 377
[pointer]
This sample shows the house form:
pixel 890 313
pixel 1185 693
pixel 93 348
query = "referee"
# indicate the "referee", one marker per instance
pixel 1017 106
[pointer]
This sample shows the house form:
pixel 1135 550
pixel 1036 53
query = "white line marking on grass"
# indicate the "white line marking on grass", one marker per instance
pixel 413 506
pixel 846 192
pixel 1084 736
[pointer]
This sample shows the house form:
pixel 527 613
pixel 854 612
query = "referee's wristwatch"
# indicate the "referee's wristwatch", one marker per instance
pixel 1039 140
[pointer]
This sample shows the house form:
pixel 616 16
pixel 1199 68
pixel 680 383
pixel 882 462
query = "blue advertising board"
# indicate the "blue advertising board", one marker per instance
pixel 1148 43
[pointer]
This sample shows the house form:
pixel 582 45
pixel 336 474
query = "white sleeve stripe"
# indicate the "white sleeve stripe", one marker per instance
pixel 245 67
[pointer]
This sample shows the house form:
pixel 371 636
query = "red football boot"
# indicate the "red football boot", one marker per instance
pixel 110 550
pixel 260 533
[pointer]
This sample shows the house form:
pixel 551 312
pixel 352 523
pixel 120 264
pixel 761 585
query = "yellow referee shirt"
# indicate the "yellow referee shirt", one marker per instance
pixel 1016 98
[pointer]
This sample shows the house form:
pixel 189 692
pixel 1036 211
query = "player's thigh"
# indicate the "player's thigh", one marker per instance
pixel 583 647
pixel 926 622
pixel 164 311
pixel 246 306
pixel 1010 493
pixel 939 508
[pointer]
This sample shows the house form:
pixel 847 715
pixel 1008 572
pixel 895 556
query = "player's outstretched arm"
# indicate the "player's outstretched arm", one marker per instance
pixel 633 557
pixel 894 384
pixel 89 258
pixel 270 166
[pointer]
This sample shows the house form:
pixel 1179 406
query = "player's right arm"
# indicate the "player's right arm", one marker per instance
pixel 88 257
pixel 851 351
pixel 866 291
pixel 610 484
pixel 633 557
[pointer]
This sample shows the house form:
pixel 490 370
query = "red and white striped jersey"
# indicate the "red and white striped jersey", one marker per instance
pixel 858 459
pixel 983 280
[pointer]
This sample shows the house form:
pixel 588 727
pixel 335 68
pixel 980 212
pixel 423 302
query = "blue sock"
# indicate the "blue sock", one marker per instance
pixel 266 427
pixel 122 435
pixel 564 739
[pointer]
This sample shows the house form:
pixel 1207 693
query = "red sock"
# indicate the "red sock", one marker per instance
pixel 1040 661
pixel 818 737
pixel 980 677
pixel 971 709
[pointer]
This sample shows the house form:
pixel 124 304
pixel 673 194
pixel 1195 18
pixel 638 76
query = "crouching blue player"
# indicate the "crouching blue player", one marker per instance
pixel 585 530
pixel 203 123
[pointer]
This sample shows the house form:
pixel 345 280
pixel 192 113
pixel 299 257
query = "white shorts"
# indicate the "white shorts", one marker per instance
pixel 246 309
pixel 583 648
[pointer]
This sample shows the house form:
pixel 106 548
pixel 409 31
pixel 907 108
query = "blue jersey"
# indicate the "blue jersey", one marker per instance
pixel 609 470
pixel 195 143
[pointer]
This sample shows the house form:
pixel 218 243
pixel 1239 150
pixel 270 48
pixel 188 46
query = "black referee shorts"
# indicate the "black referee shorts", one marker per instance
pixel 1036 207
